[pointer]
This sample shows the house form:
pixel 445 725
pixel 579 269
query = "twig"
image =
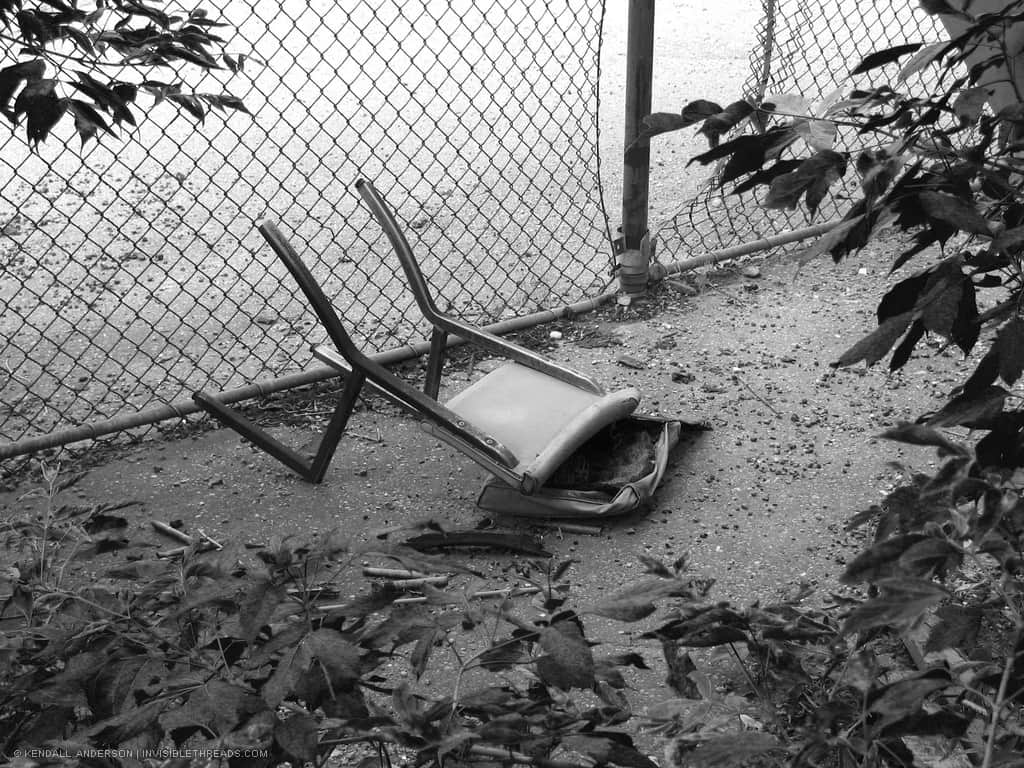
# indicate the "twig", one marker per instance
pixel 589 530
pixel 487 594
pixel 414 583
pixel 202 546
pixel 174 533
pixel 392 573
pixel 378 438
pixel 743 381
pixel 216 544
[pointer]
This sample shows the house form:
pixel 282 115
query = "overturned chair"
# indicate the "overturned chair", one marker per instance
pixel 531 423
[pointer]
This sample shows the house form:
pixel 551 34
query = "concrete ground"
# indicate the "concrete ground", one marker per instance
pixel 759 501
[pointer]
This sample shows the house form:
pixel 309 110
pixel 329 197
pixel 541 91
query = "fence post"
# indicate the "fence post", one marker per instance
pixel 634 261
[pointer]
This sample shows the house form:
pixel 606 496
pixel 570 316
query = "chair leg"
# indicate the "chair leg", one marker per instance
pixel 435 363
pixel 310 470
pixel 336 426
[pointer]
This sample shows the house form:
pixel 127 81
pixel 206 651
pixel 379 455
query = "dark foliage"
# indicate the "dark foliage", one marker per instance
pixel 70 60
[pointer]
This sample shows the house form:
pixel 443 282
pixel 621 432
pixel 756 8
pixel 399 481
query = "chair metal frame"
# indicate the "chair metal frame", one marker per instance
pixel 359 369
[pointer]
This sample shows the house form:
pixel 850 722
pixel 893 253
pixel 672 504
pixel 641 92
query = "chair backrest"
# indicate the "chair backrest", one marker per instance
pixel 454 325
pixel 417 283
pixel 317 298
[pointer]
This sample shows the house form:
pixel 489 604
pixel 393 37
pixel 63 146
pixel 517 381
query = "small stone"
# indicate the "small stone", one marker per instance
pixel 751 271
pixel 630 362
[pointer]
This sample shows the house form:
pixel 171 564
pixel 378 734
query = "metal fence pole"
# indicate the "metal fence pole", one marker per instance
pixel 634 261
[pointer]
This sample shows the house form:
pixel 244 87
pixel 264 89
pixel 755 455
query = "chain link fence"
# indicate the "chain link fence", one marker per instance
pixel 131 273
pixel 808 48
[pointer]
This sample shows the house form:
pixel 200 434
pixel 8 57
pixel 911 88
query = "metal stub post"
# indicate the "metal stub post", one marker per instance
pixel 634 267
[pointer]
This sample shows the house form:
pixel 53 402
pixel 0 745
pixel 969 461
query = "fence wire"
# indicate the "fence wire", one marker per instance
pixel 805 47
pixel 131 273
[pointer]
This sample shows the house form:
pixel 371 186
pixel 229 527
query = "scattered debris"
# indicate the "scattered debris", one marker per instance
pixel 630 362
pixel 684 288
pixel 525 545
pixel 173 533
pixel 736 377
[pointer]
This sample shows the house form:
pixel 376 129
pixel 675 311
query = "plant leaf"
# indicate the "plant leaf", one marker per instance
pixel 339 657
pixel 885 612
pixel 722 122
pixel 819 135
pixel 731 750
pixel 904 698
pixel 298 737
pixel 1009 346
pixel 922 58
pixel 876 344
pixel 958 627
pixel 970 104
pixel 954 210
pixel 887 56
pixel 918 434
pixel 13 76
pixel 789 103
pixel 978 409
pixel 609 751
pixel 635 601
pixel 880 560
pixel 569 662
pixel 257 606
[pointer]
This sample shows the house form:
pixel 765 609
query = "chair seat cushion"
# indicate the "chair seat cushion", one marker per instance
pixel 539 418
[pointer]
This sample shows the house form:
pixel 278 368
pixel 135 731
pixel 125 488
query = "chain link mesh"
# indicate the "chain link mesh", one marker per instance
pixel 808 48
pixel 131 272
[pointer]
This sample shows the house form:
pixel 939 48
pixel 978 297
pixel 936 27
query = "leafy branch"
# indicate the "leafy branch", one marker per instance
pixel 42 85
